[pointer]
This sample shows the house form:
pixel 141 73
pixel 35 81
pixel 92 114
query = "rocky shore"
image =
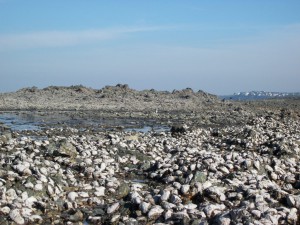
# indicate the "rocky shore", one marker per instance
pixel 119 97
pixel 223 163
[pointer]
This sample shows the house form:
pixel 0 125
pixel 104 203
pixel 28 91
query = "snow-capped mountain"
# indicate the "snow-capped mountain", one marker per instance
pixel 255 95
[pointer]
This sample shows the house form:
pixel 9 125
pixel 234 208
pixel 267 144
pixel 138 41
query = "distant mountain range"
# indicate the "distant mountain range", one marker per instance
pixel 256 95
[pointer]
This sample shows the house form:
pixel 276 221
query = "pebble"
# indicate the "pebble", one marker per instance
pixel 114 207
pixel 144 207
pixel 292 216
pixel 72 196
pixel 5 210
pixel 77 216
pixel 155 212
pixel 16 216
pixel 256 213
pixel 185 188
pixel 165 195
pixel 100 191
pixel 175 199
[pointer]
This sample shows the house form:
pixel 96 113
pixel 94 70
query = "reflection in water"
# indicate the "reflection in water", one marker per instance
pixel 15 122
pixel 146 129
pixel 36 121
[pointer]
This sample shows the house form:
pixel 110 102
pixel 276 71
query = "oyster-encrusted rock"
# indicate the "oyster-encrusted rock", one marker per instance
pixel 144 207
pixel 155 212
pixel 114 207
pixel 233 174
pixel 15 215
pixel 72 196
pixel 165 195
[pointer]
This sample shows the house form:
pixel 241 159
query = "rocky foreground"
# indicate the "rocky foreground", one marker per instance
pixel 246 174
pixel 231 163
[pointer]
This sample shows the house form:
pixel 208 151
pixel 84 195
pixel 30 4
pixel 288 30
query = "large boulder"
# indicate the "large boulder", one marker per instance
pixel 63 149
pixel 179 129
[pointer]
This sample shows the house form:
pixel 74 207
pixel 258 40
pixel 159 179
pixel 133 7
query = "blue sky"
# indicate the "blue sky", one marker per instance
pixel 220 47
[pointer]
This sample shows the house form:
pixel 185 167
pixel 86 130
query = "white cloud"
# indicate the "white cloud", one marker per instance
pixel 67 38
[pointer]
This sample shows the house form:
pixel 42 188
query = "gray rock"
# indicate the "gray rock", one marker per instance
pixel 190 206
pixel 165 195
pixel 256 164
pixel 256 213
pixel 131 221
pixel 290 201
pixel 200 177
pixel 146 165
pixel 223 219
pixel 98 212
pixel 136 198
pixel 210 209
pixel 175 199
pixel 5 210
pixel 65 149
pixel 199 222
pixel 177 185
pixel 29 202
pixel 144 207
pixel 215 193
pixel 292 216
pixel 72 196
pixel 100 191
pixel 36 219
pixel 77 216
pixel 123 190
pixel 155 212
pixel 179 129
pixel 185 188
pixel 183 216
pixel 16 216
pixel 113 208
pixel 11 194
